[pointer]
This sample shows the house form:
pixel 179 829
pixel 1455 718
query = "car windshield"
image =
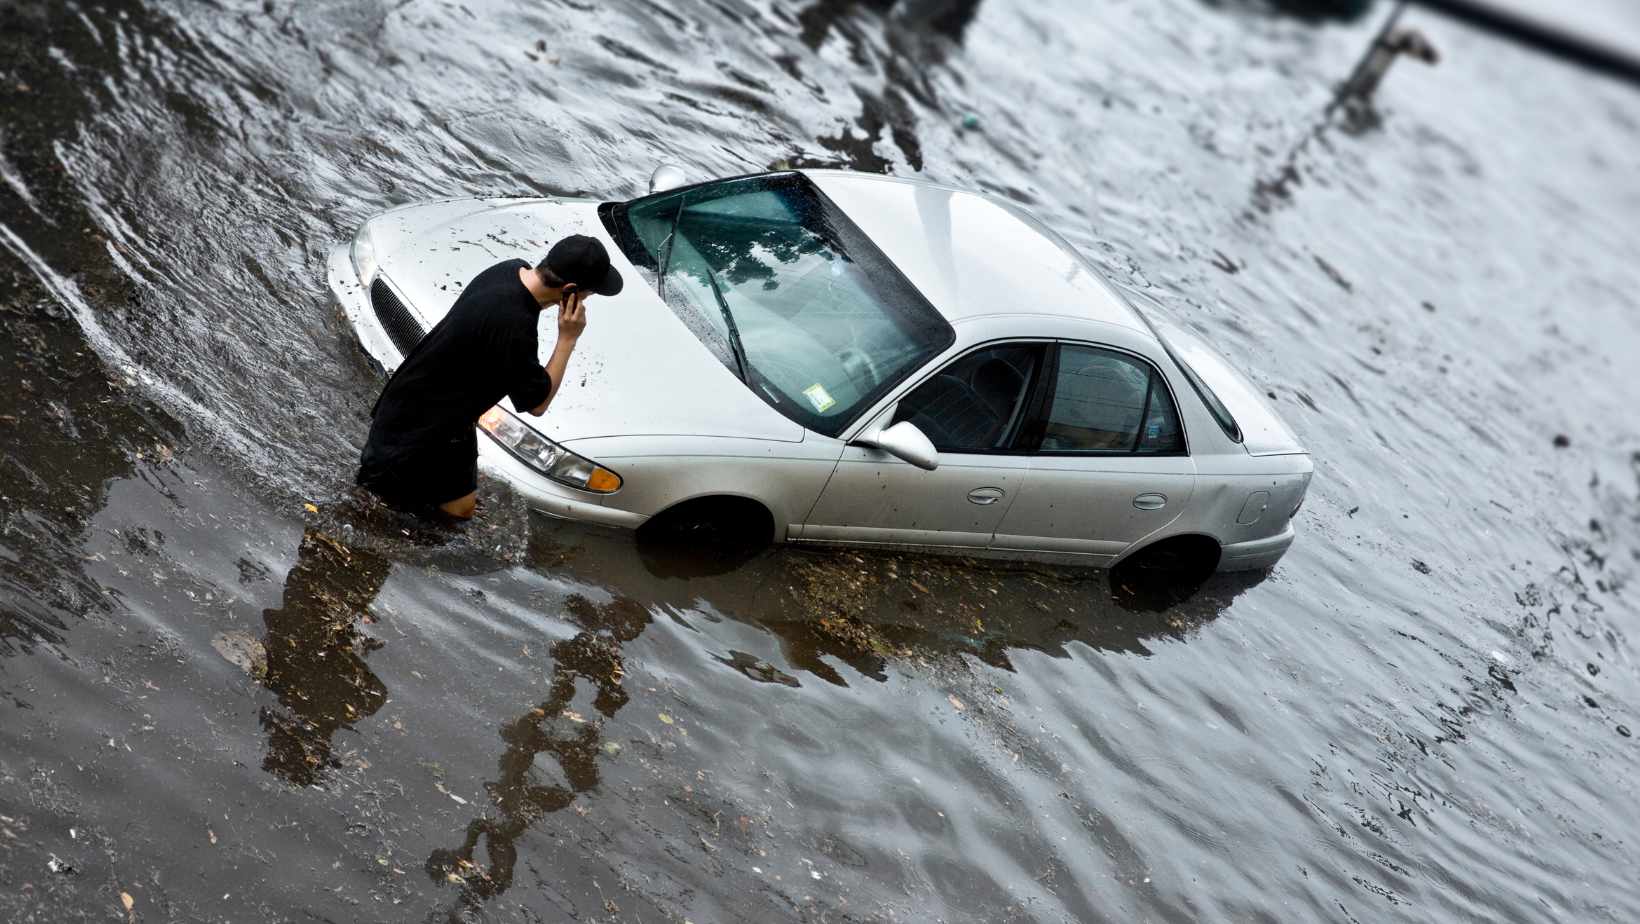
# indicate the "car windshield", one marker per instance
pixel 785 291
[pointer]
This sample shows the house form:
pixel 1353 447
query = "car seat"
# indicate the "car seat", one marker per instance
pixel 1097 408
pixel 957 411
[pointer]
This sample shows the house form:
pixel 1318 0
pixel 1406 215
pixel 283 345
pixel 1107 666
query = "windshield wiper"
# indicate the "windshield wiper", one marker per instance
pixel 666 259
pixel 734 332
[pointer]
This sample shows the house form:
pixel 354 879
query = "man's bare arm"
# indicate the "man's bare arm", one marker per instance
pixel 572 320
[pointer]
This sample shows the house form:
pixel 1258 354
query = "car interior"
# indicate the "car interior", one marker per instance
pixel 1108 402
pixel 1098 400
pixel 976 402
pixel 1102 402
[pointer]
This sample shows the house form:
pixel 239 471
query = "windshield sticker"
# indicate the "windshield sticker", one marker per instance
pixel 819 397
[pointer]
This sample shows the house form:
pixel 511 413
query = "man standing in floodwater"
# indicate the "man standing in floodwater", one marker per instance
pixel 423 444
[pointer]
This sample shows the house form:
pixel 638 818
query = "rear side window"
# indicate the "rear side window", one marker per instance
pixel 977 403
pixel 1108 402
pixel 1220 413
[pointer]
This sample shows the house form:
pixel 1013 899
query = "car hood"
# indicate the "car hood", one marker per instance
pixel 637 369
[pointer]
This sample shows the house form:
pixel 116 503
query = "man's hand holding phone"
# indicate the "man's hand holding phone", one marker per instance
pixel 572 313
pixel 572 320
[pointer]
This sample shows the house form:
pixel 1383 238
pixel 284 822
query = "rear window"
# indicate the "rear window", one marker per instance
pixel 1220 413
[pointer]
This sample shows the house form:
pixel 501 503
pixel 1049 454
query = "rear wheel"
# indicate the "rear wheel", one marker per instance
pixel 1165 574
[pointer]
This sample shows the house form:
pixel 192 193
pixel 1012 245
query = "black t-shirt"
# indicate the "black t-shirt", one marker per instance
pixel 485 348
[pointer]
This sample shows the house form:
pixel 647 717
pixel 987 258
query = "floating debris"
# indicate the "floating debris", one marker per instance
pixel 243 651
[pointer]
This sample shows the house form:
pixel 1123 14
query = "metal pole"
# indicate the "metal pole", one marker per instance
pixel 1360 66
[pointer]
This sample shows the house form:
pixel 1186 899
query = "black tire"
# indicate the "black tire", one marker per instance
pixel 707 535
pixel 1165 574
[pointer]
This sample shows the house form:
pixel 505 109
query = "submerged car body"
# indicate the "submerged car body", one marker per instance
pixel 873 361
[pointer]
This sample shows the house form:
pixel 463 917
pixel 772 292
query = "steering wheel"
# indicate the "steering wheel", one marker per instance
pixel 855 361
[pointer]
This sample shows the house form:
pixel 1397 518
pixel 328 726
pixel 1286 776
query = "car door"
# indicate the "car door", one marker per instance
pixel 972 410
pixel 1109 464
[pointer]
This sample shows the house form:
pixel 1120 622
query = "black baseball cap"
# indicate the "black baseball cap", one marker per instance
pixel 583 261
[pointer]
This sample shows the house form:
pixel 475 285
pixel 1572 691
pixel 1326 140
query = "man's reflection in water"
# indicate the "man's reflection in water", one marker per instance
pixel 865 609
pixel 315 662
pixel 553 727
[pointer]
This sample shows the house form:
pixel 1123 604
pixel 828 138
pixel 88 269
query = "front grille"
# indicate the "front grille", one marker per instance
pixel 401 326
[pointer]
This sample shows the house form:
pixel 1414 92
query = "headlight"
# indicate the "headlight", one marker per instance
pixel 545 456
pixel 364 256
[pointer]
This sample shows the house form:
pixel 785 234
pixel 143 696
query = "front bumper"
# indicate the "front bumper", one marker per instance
pixel 1258 553
pixel 354 301
pixel 548 496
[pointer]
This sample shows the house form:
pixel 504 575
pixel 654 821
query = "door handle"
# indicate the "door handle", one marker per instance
pixel 983 496
pixel 1150 501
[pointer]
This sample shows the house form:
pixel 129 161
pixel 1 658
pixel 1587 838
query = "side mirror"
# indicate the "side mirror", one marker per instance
pixel 902 441
pixel 667 176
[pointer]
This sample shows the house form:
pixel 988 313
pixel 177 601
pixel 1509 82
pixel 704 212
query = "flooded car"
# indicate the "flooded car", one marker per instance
pixel 835 358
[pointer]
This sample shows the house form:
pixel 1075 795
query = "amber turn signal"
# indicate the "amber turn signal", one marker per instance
pixel 544 455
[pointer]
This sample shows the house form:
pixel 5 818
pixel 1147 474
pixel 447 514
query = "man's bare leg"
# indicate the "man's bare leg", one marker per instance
pixel 461 508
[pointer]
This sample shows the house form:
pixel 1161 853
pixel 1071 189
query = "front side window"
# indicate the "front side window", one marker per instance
pixel 785 291
pixel 1109 402
pixel 976 404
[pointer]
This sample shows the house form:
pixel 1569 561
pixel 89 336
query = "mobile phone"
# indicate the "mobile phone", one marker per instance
pixel 571 289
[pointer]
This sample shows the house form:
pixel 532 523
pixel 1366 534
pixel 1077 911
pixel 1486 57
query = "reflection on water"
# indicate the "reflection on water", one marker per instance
pixel 948 18
pixel 1316 11
pixel 866 608
pixel 315 656
pixel 553 727
pixel 1425 716
pixel 869 611
pixel 66 431
pixel 919 35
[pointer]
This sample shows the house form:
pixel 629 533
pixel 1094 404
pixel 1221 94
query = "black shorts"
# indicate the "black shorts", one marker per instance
pixel 438 474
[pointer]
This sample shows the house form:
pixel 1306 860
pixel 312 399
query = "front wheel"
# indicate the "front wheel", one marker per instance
pixel 705 536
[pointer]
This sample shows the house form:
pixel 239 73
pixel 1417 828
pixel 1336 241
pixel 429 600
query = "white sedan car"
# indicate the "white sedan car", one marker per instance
pixel 837 358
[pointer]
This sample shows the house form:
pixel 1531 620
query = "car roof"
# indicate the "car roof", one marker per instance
pixel 974 255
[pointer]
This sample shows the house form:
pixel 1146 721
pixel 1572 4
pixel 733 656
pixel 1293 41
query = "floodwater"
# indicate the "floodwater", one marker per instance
pixel 233 691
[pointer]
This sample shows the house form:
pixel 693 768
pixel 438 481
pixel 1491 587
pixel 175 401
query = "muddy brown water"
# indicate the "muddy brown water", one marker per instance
pixel 220 705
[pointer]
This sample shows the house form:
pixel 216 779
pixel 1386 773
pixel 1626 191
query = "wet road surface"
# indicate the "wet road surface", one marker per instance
pixel 234 690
